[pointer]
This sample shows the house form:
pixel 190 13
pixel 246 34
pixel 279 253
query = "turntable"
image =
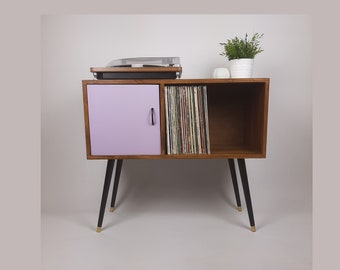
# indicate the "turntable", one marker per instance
pixel 140 68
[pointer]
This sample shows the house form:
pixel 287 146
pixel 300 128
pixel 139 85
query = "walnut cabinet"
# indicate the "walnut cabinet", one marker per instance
pixel 128 119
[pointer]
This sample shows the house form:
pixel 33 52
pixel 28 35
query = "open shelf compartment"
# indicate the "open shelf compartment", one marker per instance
pixel 237 117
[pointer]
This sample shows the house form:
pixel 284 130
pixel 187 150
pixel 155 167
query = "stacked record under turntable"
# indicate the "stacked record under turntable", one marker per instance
pixel 140 68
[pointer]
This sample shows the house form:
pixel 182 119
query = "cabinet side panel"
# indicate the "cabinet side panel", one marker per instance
pixel 86 120
pixel 120 119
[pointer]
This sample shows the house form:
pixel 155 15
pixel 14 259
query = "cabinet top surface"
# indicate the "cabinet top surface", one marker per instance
pixel 178 81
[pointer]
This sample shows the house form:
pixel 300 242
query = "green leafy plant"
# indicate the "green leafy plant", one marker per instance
pixel 237 48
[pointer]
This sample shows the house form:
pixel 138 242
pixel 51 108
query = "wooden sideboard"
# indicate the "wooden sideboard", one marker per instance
pixel 176 119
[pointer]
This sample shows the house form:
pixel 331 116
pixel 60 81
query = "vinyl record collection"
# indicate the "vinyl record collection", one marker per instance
pixel 186 113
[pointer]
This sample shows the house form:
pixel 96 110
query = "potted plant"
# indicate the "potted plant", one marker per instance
pixel 241 53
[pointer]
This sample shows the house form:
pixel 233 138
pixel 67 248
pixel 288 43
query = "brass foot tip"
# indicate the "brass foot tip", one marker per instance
pixel 239 208
pixel 253 229
pixel 112 209
pixel 99 229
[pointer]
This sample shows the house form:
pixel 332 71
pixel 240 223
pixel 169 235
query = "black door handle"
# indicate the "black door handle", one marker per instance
pixel 152 116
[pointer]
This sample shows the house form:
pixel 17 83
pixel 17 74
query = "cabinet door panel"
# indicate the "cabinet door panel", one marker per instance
pixel 120 119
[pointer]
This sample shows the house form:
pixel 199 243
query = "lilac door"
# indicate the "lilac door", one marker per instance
pixel 124 119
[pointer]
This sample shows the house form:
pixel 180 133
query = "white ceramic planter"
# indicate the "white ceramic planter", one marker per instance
pixel 241 68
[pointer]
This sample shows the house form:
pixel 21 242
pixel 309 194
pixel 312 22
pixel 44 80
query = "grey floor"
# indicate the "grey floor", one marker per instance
pixel 182 224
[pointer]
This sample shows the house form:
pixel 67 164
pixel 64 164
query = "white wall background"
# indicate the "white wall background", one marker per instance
pixel 72 44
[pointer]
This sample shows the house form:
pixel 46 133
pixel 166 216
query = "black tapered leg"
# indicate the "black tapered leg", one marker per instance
pixel 116 183
pixel 245 184
pixel 108 176
pixel 235 185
